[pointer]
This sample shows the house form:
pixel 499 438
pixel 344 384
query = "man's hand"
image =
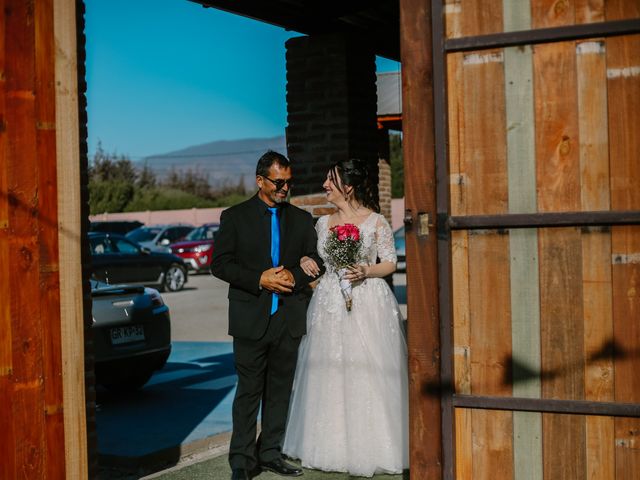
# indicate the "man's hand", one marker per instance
pixel 277 280
pixel 288 276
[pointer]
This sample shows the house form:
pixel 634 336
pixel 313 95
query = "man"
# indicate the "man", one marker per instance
pixel 258 250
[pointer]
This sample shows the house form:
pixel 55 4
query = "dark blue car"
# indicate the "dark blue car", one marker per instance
pixel 116 259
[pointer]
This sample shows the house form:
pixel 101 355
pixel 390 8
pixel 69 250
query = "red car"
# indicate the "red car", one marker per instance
pixel 197 248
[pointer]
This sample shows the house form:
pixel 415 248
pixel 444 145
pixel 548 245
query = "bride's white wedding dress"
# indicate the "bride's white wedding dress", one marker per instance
pixel 349 408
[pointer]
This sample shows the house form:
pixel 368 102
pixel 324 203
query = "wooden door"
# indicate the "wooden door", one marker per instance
pixel 535 112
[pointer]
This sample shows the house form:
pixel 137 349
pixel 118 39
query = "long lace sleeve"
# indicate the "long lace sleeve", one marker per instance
pixel 384 241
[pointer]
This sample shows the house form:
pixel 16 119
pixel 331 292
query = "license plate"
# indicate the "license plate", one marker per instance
pixel 129 334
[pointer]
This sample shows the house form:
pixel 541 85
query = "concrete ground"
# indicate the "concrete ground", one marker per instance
pixel 217 468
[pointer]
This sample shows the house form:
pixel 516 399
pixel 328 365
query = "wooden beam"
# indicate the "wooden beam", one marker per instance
pixel 69 238
pixel 425 440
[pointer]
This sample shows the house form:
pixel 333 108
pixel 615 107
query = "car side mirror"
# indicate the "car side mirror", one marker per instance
pixel 164 242
pixel 145 250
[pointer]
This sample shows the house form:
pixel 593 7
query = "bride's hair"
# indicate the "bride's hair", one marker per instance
pixel 355 173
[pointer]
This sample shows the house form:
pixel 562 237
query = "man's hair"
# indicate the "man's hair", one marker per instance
pixel 268 159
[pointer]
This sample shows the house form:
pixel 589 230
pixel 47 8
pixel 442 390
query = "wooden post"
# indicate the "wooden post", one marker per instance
pixel 425 441
pixel 69 238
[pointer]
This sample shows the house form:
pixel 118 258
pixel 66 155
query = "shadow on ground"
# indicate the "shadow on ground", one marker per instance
pixel 187 401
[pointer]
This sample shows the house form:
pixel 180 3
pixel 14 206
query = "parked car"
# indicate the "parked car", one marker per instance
pixel 398 240
pixel 115 226
pixel 131 334
pixel 116 259
pixel 197 248
pixel 157 238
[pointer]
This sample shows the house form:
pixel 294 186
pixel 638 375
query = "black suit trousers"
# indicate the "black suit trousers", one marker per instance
pixel 265 369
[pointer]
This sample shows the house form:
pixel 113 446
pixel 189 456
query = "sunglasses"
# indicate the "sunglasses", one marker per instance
pixel 279 183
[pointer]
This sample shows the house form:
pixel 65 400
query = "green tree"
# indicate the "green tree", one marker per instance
pixel 112 181
pixel 146 178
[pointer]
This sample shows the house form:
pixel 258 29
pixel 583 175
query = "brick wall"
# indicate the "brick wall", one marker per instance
pixel 331 104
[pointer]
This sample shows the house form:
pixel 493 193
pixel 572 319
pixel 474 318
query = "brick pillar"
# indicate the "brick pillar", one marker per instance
pixel 384 173
pixel 331 105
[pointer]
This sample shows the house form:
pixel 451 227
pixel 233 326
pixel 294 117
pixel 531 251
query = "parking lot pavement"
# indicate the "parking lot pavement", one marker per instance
pixel 185 403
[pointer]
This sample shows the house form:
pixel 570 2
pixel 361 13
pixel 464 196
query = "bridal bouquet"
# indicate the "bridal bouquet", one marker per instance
pixel 343 249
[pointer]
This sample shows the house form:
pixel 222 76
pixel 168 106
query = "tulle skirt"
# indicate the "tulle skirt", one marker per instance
pixel 349 407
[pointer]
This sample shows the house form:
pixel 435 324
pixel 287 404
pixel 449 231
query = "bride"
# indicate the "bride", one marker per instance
pixel 349 409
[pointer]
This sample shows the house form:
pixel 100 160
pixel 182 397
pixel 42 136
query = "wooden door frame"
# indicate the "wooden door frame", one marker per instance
pixel 70 197
pixel 424 49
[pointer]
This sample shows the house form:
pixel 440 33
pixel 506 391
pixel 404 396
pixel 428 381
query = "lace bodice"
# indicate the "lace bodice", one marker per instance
pixel 376 235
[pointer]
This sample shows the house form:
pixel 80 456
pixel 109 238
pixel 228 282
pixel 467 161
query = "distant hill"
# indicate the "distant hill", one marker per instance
pixel 224 161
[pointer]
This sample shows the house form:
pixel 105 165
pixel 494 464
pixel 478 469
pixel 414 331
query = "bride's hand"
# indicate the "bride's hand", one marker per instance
pixel 309 266
pixel 356 273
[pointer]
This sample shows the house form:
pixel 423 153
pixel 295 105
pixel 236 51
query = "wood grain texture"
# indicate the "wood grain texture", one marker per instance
pixel 21 163
pixel 459 262
pixel 624 113
pixel 552 13
pixel 7 434
pixel 589 11
pixel 425 441
pixel 6 354
pixel 490 342
pixel 483 132
pixel 69 219
pixel 623 82
pixel 596 253
pixel 474 17
pixel 523 244
pixel 462 351
pixel 49 285
pixel 557 175
pixel 562 333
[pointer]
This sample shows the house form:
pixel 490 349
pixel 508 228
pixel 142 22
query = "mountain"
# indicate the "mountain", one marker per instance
pixel 224 161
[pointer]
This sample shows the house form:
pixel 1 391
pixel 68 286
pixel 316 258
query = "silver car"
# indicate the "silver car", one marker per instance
pixel 131 334
pixel 157 238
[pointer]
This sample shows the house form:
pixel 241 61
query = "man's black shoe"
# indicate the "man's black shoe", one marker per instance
pixel 239 474
pixel 281 467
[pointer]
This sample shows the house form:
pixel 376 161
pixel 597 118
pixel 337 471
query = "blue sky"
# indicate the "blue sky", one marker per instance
pixel 167 74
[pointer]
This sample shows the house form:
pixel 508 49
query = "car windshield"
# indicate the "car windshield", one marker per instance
pixel 143 234
pixel 202 233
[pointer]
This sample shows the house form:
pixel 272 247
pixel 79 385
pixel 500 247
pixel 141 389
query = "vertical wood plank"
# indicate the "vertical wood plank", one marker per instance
pixel 479 17
pixel 70 238
pixel 596 254
pixel 523 244
pixel 459 256
pixel 483 181
pixel 7 434
pixel 425 441
pixel 490 352
pixel 48 236
pixel 483 137
pixel 552 13
pixel 623 73
pixel 589 11
pixel 462 352
pixel 28 392
pixel 557 174
pixel 5 313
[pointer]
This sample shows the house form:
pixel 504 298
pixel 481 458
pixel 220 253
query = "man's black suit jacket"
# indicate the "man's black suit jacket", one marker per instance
pixel 242 251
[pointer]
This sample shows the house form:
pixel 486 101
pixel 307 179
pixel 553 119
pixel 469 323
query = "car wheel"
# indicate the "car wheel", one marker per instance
pixel 174 278
pixel 129 384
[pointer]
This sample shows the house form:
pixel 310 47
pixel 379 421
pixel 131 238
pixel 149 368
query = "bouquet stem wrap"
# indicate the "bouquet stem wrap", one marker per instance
pixel 345 288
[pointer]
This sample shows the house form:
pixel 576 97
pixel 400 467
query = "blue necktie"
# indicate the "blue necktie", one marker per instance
pixel 275 251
